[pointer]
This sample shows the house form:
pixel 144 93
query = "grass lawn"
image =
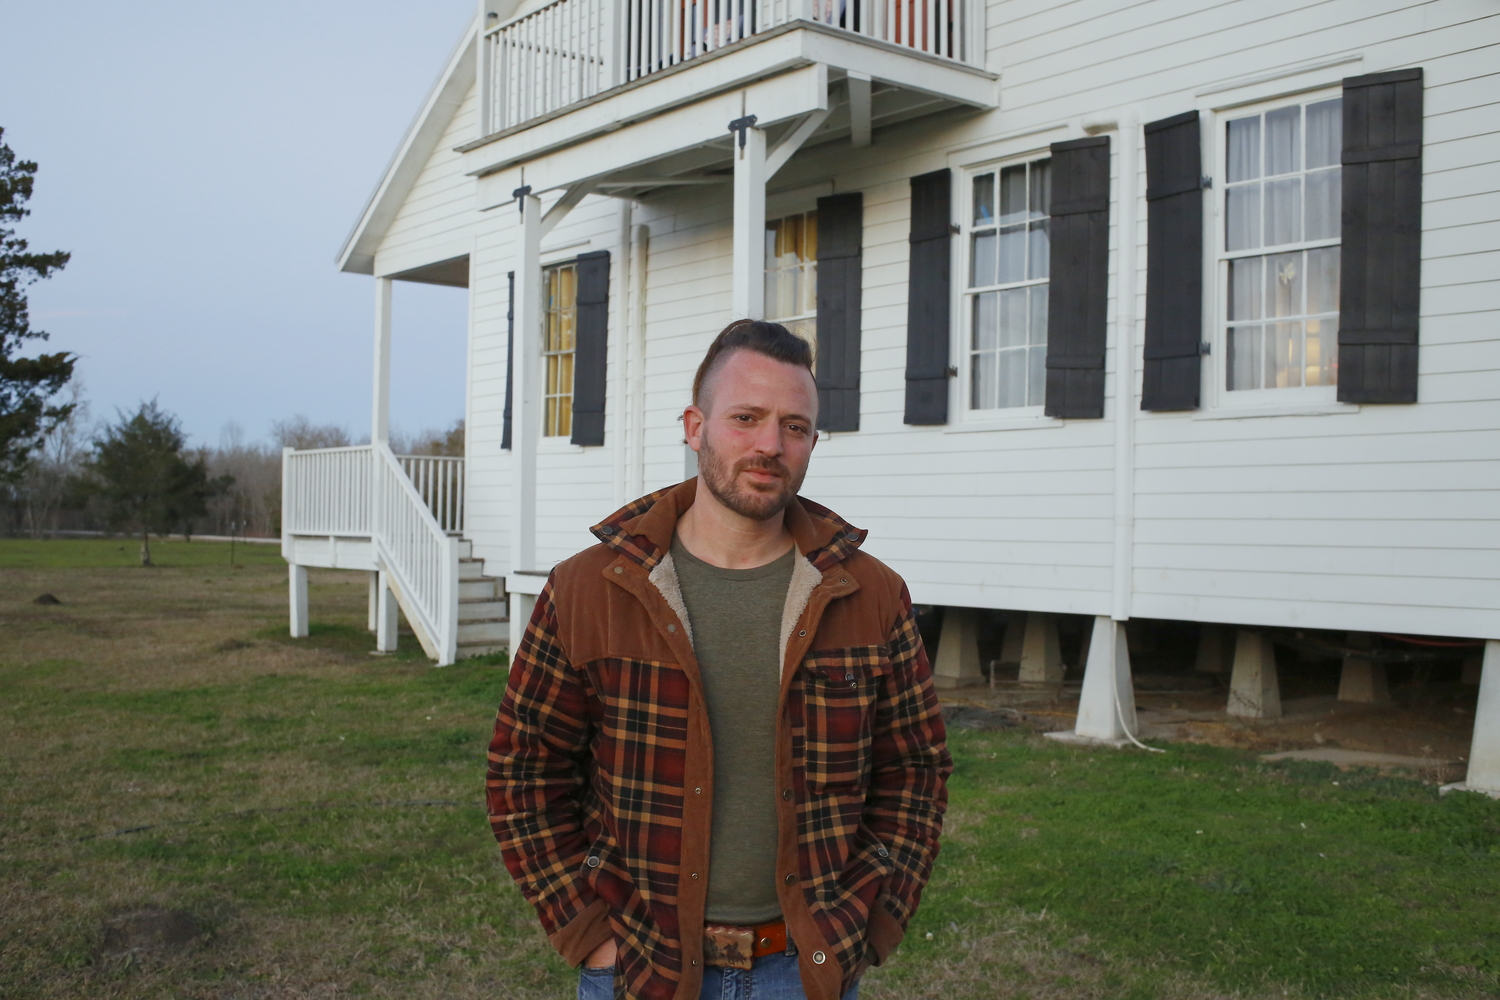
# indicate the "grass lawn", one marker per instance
pixel 318 812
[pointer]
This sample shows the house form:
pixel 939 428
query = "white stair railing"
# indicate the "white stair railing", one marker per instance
pixel 439 481
pixel 418 555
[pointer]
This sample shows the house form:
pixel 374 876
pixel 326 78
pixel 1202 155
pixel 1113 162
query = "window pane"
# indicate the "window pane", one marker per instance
pixel 1012 378
pixel 1245 287
pixel 1283 211
pixel 1038 314
pixel 984 388
pixel 1322 346
pixel 1036 376
pixel 984 200
pixel 1040 199
pixel 1013 254
pixel 565 375
pixel 1325 133
pixel 983 259
pixel 1284 284
pixel 773 293
pixel 1013 194
pixel 1014 317
pixel 1040 251
pixel 1283 355
pixel 1283 140
pixel 808 287
pixel 773 242
pixel 1244 357
pixel 1323 280
pixel 1242 217
pixel 985 332
pixel 1244 149
pixel 810 237
pixel 1323 196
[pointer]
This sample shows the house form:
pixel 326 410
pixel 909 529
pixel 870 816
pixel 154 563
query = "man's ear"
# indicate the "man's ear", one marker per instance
pixel 692 427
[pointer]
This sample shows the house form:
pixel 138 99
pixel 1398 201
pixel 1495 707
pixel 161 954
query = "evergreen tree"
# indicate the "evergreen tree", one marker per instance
pixel 27 385
pixel 146 483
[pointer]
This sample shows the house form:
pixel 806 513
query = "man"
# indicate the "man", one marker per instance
pixel 719 765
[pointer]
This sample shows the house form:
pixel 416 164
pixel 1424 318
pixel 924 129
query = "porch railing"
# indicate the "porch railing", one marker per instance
pixel 571 50
pixel 419 555
pixel 439 481
pixel 410 507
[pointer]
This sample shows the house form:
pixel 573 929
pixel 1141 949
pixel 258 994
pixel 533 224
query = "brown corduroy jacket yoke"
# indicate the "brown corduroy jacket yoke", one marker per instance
pixel 601 770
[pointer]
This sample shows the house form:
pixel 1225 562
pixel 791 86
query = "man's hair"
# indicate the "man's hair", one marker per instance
pixel 771 339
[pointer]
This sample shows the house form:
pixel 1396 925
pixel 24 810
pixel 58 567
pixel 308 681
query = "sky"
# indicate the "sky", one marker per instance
pixel 204 163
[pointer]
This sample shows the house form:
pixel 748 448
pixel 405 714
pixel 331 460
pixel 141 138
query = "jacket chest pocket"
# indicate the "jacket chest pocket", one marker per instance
pixel 840 691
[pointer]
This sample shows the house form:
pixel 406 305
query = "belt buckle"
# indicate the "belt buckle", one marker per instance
pixel 730 947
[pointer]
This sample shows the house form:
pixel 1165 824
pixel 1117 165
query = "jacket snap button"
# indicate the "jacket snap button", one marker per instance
pixel 790 879
pixel 845 580
pixel 619 569
pixel 803 632
pixel 698 791
pixel 695 963
pixel 671 628
pixel 694 876
pixel 786 793
pixel 883 853
pixel 607 530
pixel 819 958
pixel 593 861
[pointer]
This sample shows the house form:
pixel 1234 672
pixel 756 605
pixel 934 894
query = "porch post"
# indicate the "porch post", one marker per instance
pixel 749 300
pixel 298 581
pixel 374 600
pixel 525 410
pixel 380 417
pixel 385 616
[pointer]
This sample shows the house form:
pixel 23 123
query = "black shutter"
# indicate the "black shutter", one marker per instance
pixel 841 231
pixel 1078 293
pixel 1174 265
pixel 1379 287
pixel 592 347
pixel 928 291
pixel 510 358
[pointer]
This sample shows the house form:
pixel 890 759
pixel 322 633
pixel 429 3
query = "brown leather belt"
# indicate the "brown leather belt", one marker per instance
pixel 734 947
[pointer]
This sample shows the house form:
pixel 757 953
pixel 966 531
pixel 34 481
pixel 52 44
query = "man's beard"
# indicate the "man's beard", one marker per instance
pixel 758 503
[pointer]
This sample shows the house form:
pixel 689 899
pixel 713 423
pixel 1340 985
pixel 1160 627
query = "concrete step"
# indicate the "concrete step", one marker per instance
pixel 470 569
pixel 487 630
pixel 474 611
pixel 486 588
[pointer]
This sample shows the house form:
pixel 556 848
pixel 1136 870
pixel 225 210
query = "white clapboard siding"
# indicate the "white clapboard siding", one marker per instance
pixel 1381 517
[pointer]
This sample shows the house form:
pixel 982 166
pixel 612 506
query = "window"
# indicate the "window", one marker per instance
pixel 1280 261
pixel 792 273
pixel 1007 286
pixel 559 341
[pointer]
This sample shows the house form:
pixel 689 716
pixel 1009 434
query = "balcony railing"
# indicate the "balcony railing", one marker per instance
pixel 571 50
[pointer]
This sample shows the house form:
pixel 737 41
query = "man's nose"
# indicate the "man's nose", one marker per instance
pixel 768 438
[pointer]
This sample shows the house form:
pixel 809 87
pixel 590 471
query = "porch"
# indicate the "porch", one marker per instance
pixel 399 518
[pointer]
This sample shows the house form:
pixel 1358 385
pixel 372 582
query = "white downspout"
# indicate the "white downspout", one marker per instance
pixel 1126 122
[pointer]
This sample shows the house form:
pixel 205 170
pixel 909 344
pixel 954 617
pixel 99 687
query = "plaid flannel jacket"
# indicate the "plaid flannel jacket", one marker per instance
pixel 600 781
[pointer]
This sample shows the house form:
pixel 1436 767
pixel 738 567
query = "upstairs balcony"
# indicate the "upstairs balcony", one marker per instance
pixel 557 76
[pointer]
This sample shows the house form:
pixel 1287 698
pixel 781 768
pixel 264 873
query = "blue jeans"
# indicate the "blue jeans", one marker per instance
pixel 773 977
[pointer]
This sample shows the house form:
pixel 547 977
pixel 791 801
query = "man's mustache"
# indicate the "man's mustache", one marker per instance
pixel 762 464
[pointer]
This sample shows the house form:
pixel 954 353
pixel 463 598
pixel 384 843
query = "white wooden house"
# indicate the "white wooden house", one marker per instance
pixel 1123 308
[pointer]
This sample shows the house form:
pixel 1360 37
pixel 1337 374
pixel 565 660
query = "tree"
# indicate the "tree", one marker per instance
pixel 146 483
pixel 302 434
pixel 27 385
pixel 49 476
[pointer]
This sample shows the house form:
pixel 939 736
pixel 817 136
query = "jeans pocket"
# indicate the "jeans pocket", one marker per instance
pixel 596 984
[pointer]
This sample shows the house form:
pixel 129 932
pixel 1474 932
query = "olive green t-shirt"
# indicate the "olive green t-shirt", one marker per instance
pixel 735 616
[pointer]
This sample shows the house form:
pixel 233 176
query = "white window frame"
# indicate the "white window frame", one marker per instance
pixel 1221 400
pixel 804 324
pixel 562 436
pixel 961 416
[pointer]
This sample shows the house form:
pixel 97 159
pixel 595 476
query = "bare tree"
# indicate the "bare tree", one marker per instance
pixel 300 432
pixel 47 478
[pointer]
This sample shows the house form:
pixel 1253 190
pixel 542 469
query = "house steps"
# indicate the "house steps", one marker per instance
pixel 483 611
